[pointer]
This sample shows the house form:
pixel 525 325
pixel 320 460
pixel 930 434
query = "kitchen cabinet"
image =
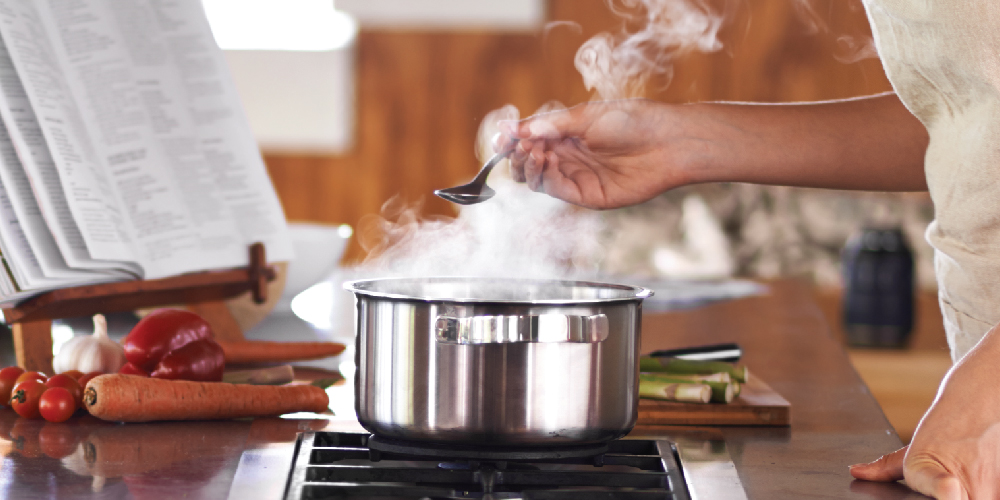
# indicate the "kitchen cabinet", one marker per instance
pixel 787 342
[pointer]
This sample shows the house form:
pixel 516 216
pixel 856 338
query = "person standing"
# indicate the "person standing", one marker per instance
pixel 938 131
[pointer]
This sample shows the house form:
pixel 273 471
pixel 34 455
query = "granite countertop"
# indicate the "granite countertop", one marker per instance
pixel 835 422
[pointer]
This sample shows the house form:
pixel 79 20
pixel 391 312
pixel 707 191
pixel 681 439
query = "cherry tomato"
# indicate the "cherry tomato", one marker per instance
pixel 76 374
pixel 8 379
pixel 70 384
pixel 24 399
pixel 39 376
pixel 56 404
pixel 86 378
pixel 58 440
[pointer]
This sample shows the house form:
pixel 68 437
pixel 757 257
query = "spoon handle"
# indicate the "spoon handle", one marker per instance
pixel 492 162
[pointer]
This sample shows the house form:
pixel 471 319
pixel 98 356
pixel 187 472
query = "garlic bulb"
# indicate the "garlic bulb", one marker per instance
pixel 91 353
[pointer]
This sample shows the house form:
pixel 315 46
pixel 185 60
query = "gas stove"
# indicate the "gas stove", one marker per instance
pixel 349 465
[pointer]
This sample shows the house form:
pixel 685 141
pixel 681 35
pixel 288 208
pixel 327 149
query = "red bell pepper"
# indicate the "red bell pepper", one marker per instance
pixel 173 344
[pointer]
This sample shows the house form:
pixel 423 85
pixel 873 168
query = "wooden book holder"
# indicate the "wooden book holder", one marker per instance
pixel 204 293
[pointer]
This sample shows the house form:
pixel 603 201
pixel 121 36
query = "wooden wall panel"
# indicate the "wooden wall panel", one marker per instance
pixel 422 94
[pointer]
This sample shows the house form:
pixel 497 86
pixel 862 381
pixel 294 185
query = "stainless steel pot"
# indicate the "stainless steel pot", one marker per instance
pixel 497 362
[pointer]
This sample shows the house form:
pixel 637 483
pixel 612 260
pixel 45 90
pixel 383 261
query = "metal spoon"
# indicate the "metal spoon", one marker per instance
pixel 476 191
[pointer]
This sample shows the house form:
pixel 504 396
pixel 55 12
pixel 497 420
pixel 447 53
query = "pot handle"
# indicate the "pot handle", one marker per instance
pixel 548 328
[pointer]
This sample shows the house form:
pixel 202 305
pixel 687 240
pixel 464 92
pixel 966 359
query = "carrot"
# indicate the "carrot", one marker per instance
pixel 130 398
pixel 262 351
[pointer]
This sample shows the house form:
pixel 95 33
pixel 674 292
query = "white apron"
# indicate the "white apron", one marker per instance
pixel 943 59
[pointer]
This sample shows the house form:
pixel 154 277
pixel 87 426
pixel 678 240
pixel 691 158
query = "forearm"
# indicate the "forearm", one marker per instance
pixel 871 143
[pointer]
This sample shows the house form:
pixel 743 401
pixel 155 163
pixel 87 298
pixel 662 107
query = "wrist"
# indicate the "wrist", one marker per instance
pixel 693 145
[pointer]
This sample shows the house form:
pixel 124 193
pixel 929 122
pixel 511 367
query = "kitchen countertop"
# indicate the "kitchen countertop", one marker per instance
pixel 835 422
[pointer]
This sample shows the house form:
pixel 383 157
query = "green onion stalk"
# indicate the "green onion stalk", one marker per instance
pixel 721 392
pixel 675 391
pixel 679 366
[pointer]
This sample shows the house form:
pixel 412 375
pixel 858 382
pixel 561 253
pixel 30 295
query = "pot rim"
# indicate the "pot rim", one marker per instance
pixel 637 293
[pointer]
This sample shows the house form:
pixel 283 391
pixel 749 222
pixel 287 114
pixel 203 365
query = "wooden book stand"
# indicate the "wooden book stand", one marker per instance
pixel 203 293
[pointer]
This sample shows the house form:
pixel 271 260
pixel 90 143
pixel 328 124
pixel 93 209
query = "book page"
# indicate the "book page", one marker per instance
pixel 73 194
pixel 175 165
pixel 10 292
pixel 165 173
pixel 7 286
pixel 169 145
pixel 26 143
pixel 224 131
pixel 151 140
pixel 25 267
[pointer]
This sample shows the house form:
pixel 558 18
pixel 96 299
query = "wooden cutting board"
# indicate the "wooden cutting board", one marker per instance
pixel 757 404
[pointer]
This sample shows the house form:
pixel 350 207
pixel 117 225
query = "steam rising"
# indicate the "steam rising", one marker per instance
pixel 850 48
pixel 619 66
pixel 519 233
pixel 855 48
pixel 522 234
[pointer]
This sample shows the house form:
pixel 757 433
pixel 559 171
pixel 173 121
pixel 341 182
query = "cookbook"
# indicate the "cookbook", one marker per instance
pixel 124 151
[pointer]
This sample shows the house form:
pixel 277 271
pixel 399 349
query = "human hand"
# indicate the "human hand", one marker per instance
pixel 604 154
pixel 955 452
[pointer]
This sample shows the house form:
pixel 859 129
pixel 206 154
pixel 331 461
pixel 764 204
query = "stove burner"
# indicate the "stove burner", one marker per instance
pixel 340 465
pixel 379 445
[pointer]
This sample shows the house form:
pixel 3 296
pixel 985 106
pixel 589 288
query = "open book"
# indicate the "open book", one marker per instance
pixel 124 152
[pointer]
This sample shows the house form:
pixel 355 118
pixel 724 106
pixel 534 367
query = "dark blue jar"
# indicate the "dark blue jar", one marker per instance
pixel 878 289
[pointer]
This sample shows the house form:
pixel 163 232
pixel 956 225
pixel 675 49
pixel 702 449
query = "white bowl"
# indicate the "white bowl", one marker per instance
pixel 318 250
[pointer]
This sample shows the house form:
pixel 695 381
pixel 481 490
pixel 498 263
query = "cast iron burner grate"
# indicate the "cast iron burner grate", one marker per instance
pixel 379 445
pixel 343 465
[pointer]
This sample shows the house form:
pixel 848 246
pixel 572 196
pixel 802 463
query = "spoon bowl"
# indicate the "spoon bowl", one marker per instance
pixel 476 191
pixel 467 194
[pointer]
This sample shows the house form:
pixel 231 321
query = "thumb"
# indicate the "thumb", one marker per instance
pixel 931 478
pixel 887 468
pixel 554 124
